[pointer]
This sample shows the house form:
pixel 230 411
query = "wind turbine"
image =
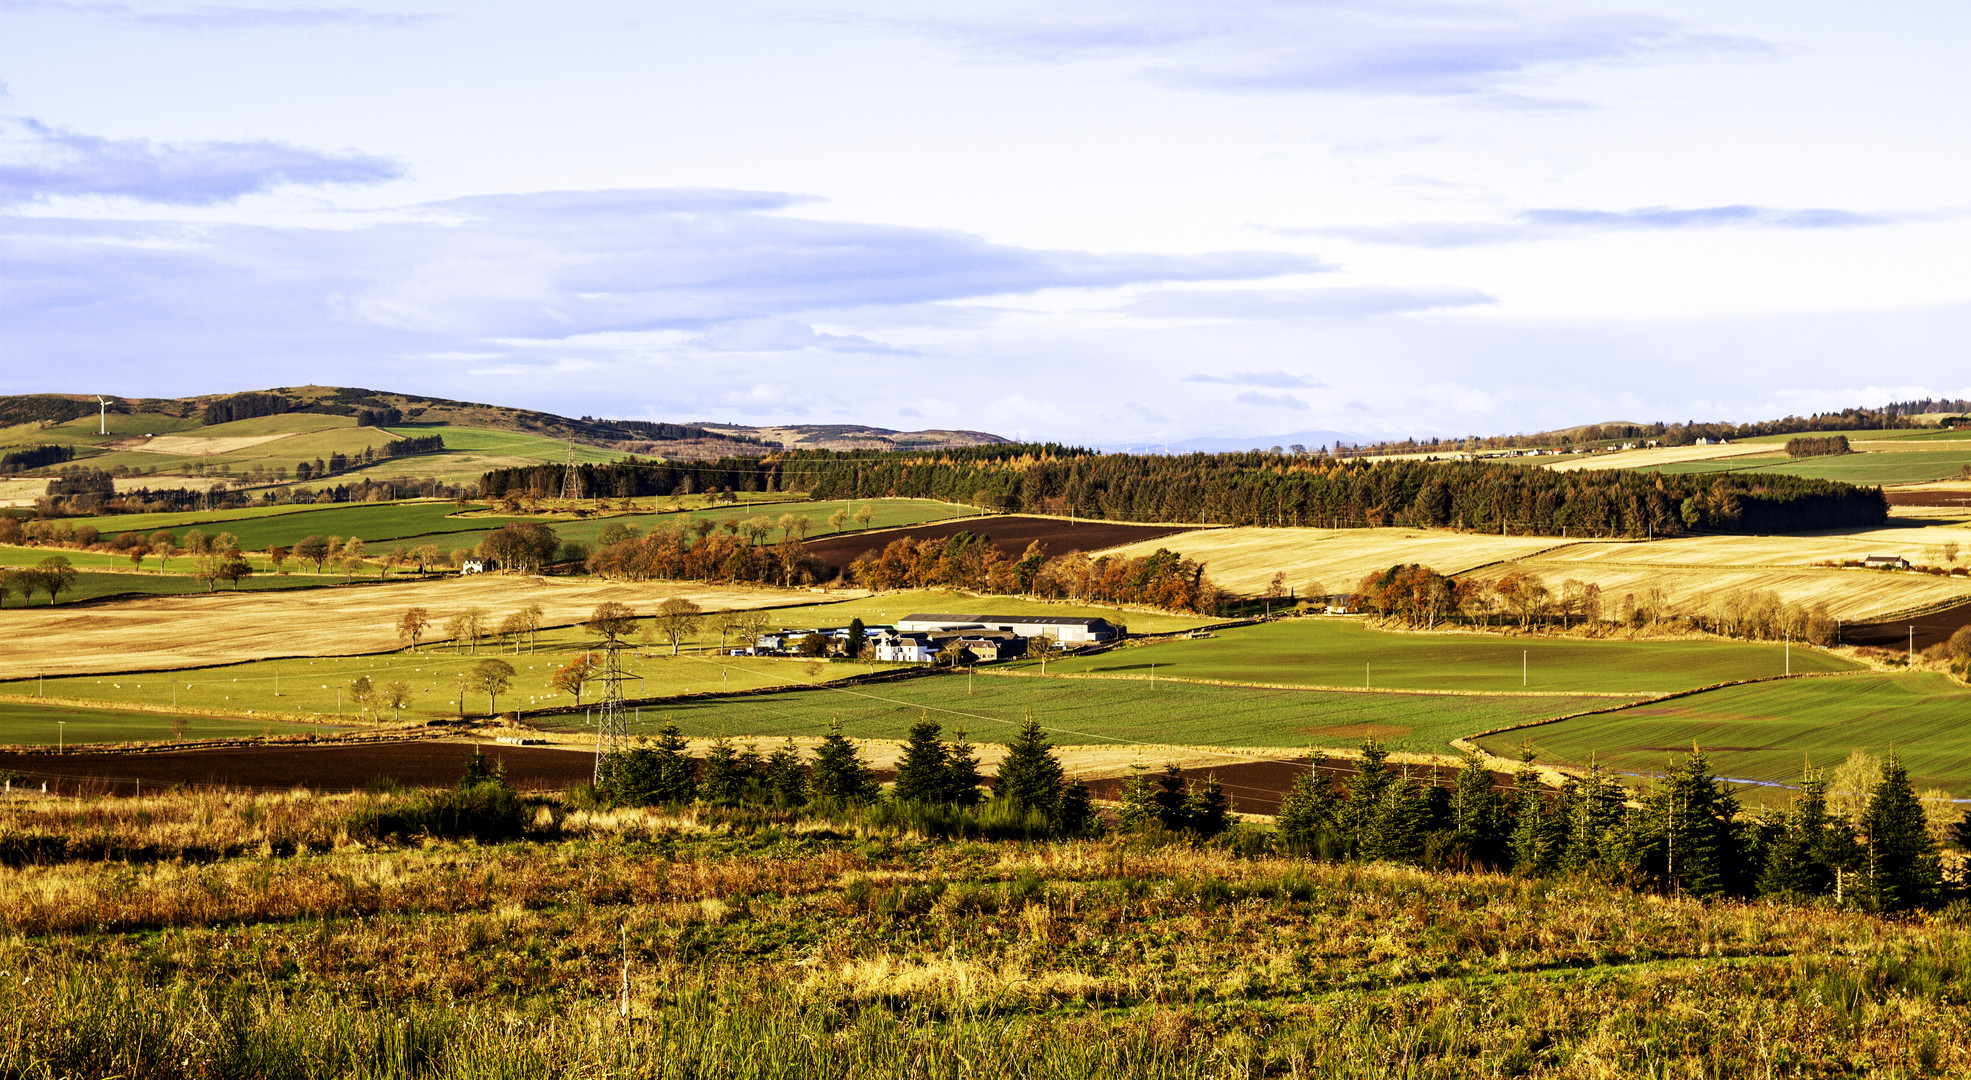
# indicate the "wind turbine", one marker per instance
pixel 102 420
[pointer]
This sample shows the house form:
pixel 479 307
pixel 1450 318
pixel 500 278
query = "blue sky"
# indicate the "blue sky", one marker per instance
pixel 1096 222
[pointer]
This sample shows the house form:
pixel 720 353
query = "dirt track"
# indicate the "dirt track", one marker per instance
pixel 191 631
pixel 1010 534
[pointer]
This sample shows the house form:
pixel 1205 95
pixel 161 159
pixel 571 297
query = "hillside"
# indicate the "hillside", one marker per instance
pixel 299 434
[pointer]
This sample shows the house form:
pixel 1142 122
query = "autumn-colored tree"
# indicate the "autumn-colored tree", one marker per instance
pixel 572 676
pixel 677 619
pixel 612 620
pixel 410 628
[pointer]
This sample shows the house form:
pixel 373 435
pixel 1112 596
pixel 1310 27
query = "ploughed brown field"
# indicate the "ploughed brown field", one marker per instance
pixel 280 768
pixel 1931 629
pixel 1010 534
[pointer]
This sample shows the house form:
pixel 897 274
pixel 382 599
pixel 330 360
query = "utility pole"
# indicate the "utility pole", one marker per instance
pixel 61 736
pixel 1522 669
pixel 1912 645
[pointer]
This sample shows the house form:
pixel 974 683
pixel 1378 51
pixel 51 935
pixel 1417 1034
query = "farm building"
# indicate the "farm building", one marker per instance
pixel 478 566
pixel 1886 562
pixel 1066 631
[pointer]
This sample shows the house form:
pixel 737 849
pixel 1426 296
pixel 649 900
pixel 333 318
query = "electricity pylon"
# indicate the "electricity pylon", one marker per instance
pixel 611 733
pixel 571 477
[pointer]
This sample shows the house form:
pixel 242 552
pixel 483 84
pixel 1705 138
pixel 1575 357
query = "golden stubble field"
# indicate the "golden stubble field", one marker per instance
pixel 1244 559
pixel 223 628
pixel 1692 570
pixel 1655 457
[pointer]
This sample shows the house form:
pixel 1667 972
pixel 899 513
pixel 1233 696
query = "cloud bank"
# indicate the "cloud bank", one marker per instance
pixel 40 162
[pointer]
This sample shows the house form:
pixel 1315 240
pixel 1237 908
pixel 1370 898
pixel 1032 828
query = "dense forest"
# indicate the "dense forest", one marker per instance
pixel 35 457
pixel 1257 489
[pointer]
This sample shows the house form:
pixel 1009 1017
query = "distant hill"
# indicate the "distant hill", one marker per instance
pixel 857 437
pixel 386 409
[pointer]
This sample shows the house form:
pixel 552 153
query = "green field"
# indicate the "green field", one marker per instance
pixel 1767 731
pixel 886 608
pixel 28 723
pixel 83 430
pixel 94 585
pixel 1091 711
pixel 212 521
pixel 1331 652
pixel 1873 467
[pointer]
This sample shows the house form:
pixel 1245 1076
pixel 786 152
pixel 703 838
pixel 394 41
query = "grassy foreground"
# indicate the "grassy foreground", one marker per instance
pixel 633 944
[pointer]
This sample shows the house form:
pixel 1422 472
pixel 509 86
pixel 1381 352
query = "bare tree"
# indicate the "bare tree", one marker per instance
pixel 394 696
pixel 492 678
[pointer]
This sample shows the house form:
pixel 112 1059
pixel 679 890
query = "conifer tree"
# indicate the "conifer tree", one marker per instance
pixel 674 772
pixel 923 774
pixel 1593 820
pixel 1306 818
pixel 1077 809
pixel 1139 801
pixel 1396 830
pixel 961 773
pixel 1903 870
pixel 1029 776
pixel 1798 864
pixel 839 772
pixel 1206 809
pixel 1169 798
pixel 1477 821
pixel 786 779
pixel 1534 852
pixel 1688 838
pixel 1365 791
pixel 723 781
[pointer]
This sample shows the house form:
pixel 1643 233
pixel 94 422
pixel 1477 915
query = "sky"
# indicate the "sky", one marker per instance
pixel 1100 223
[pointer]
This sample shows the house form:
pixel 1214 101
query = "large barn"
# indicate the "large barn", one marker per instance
pixel 1064 630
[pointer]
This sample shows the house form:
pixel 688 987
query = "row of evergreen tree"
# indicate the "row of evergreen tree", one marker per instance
pixel 937 784
pixel 1685 835
pixel 1261 489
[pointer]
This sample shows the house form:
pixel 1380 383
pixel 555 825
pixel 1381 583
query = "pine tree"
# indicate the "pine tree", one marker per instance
pixel 1169 798
pixel 724 780
pixel 1306 818
pixel 1477 820
pixel 839 772
pixel 1077 809
pixel 786 779
pixel 1139 802
pixel 1689 841
pixel 1397 829
pixel 961 773
pixel 1903 870
pixel 1534 852
pixel 1365 791
pixel 1593 820
pixel 1029 776
pixel 674 772
pixel 1797 864
pixel 923 774
pixel 1207 811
